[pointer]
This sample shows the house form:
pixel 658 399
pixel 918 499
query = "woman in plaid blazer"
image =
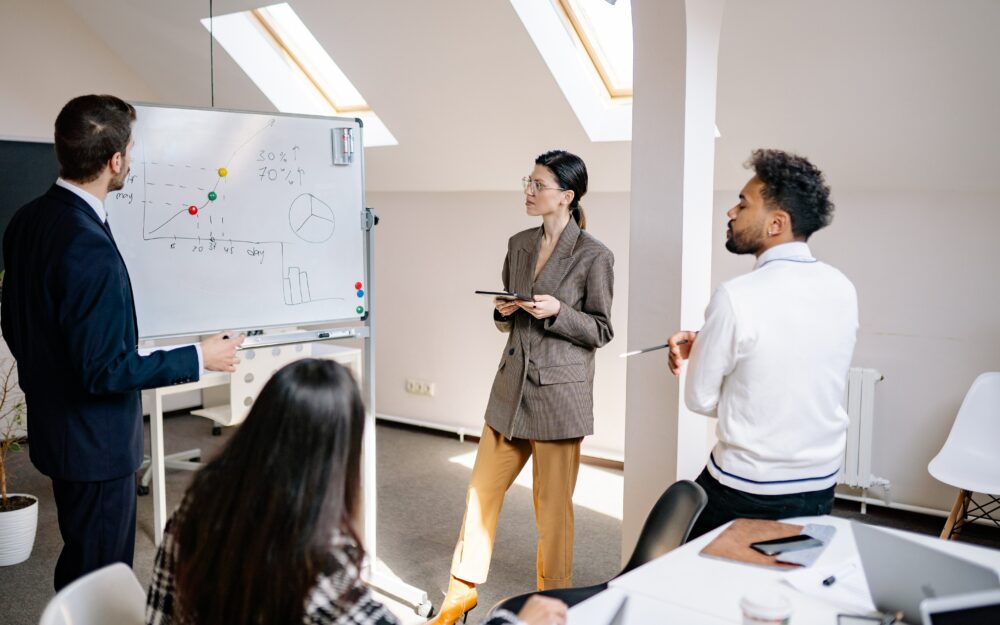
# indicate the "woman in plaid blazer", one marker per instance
pixel 541 405
pixel 265 533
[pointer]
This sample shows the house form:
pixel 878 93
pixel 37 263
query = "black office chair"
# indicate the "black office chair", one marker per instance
pixel 666 528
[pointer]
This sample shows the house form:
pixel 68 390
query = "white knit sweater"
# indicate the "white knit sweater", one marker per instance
pixel 771 363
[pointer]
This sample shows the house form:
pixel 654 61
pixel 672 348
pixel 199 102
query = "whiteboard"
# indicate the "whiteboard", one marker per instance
pixel 232 220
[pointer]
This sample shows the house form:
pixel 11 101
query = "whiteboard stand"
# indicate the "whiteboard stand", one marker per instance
pixel 390 586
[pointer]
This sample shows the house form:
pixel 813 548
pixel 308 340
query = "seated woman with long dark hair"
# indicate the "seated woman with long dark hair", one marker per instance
pixel 266 532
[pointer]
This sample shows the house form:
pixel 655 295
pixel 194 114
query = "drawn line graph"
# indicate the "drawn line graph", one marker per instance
pixel 221 173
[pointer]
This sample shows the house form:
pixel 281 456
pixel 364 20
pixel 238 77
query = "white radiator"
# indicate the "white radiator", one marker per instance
pixel 856 470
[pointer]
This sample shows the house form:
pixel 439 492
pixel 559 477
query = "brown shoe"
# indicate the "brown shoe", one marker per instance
pixel 458 602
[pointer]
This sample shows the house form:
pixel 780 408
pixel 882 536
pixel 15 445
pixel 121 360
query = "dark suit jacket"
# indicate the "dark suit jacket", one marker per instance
pixel 544 386
pixel 69 320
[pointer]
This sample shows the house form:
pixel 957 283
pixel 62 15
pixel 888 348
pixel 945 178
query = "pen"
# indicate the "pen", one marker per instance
pixel 650 349
pixel 830 581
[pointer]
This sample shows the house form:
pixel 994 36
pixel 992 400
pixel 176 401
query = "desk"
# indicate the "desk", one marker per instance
pixel 349 357
pixel 641 610
pixel 156 455
pixel 689 588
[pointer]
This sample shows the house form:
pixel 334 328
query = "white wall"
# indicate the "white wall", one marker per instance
pixel 673 145
pixel 16 395
pixel 49 57
pixel 432 251
pixel 925 266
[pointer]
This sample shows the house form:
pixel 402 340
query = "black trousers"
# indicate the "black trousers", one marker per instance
pixel 97 523
pixel 726 504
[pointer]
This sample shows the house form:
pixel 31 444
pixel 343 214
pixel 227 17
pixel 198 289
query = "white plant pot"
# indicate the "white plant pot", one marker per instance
pixel 17 532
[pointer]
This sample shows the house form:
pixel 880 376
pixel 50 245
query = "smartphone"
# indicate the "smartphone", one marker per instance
pixel 786 544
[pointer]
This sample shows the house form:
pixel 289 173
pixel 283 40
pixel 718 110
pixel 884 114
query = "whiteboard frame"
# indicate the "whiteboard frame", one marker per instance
pixel 361 211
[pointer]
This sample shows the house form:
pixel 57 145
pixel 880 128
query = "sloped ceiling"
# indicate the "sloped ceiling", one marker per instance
pixel 896 94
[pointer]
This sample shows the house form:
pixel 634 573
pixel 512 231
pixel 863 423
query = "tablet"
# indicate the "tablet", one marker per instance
pixel 965 609
pixel 506 295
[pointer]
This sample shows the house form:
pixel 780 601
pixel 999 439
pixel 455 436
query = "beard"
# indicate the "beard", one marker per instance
pixel 118 182
pixel 743 242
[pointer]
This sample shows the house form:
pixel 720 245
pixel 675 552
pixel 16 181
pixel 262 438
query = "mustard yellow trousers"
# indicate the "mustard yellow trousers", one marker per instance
pixel 498 462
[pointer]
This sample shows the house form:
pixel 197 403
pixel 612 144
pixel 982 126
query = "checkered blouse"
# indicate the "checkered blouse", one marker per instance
pixel 337 599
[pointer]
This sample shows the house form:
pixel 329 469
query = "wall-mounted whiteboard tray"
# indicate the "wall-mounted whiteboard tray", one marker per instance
pixel 236 220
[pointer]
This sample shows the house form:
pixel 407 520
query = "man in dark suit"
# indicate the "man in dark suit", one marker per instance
pixel 69 319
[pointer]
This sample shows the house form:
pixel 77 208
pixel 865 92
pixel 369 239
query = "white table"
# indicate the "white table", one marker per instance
pixel 349 357
pixel 641 609
pixel 686 588
pixel 157 465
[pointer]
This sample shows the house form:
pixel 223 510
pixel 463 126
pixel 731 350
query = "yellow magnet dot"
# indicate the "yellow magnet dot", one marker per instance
pixel 223 172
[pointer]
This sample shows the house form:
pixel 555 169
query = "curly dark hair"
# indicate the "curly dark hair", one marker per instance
pixel 796 186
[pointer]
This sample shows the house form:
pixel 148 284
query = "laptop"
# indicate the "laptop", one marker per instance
pixel 901 573
pixel 973 608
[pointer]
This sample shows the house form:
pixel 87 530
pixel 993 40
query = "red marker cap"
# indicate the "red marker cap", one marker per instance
pixel 357 285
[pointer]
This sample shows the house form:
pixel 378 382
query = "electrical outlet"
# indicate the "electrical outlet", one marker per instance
pixel 419 387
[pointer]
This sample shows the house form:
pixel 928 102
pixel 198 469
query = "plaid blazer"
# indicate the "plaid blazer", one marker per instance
pixel 340 598
pixel 544 385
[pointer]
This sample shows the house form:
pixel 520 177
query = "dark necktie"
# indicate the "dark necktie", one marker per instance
pixel 107 227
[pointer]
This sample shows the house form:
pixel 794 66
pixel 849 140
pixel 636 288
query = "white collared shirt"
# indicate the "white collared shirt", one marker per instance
pixel 102 215
pixel 771 363
pixel 87 197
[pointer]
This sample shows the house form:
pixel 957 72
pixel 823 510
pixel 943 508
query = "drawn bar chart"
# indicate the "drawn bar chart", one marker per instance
pixel 297 287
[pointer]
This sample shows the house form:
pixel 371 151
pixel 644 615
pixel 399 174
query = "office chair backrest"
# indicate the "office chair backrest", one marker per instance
pixel 669 522
pixel 971 444
pixel 107 596
pixel 977 424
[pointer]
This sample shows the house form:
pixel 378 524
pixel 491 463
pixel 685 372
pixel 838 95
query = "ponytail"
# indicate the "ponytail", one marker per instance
pixel 571 173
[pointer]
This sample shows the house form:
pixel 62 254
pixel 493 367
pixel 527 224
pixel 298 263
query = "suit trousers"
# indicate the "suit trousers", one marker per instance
pixel 498 462
pixel 97 523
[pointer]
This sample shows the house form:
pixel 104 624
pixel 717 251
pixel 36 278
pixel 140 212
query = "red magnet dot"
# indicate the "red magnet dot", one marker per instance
pixel 357 285
pixel 193 209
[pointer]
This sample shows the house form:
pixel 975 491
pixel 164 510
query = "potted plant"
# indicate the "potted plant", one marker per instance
pixel 18 513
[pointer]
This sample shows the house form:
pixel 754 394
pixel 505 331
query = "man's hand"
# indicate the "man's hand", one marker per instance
pixel 544 306
pixel 680 348
pixel 505 307
pixel 540 610
pixel 219 352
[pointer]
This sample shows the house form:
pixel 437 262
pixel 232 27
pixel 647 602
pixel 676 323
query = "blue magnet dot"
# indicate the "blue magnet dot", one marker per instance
pixel 361 293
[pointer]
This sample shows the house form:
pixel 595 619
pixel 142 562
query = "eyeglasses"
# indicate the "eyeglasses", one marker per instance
pixel 532 187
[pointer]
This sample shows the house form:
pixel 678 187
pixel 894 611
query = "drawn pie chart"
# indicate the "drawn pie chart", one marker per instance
pixel 311 219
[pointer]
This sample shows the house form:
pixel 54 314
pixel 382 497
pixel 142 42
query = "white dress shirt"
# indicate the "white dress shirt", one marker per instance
pixel 87 197
pixel 98 206
pixel 771 363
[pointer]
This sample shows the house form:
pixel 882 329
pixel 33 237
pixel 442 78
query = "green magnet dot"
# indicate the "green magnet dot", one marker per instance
pixel 360 309
pixel 212 196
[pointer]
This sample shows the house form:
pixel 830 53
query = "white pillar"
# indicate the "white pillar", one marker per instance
pixel 670 239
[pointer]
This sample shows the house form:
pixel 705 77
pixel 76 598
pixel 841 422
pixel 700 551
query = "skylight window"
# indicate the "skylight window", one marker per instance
pixel 605 32
pixel 292 69
pixel 587 45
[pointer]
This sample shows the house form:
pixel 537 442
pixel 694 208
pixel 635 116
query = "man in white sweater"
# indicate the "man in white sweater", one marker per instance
pixel 771 360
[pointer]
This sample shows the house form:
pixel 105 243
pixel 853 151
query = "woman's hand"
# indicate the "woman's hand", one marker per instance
pixel 505 307
pixel 543 307
pixel 539 610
